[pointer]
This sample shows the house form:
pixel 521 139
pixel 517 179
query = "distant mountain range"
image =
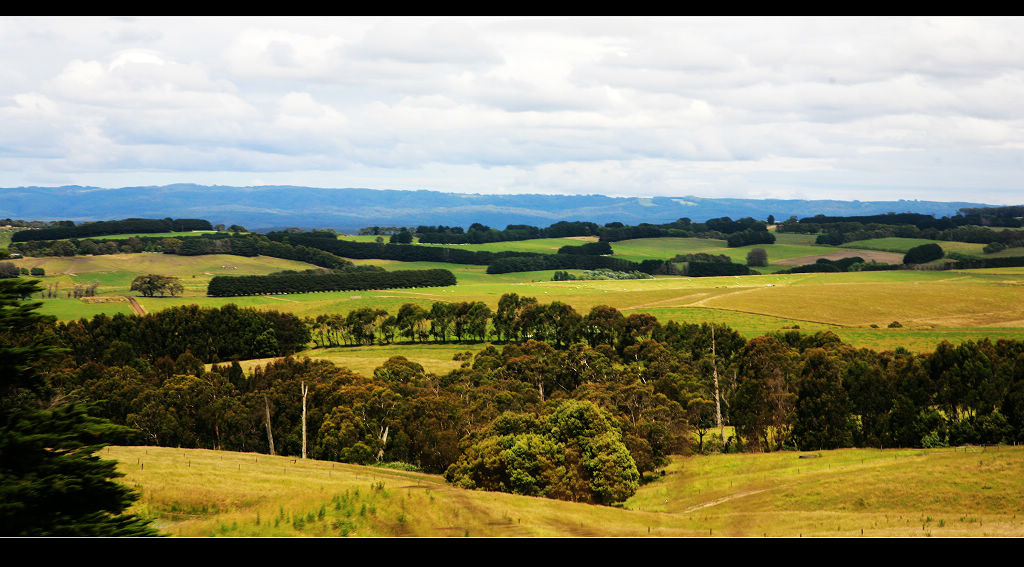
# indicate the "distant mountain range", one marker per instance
pixel 347 210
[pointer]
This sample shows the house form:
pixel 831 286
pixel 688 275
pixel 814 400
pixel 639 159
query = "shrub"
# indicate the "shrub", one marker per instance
pixel 575 453
pixel 757 257
pixel 923 253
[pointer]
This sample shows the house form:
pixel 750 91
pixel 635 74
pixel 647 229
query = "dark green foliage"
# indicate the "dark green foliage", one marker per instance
pixel 575 453
pixel 712 269
pixel 750 236
pixel 823 419
pixel 211 334
pixel 227 286
pixel 51 483
pixel 402 237
pixel 701 257
pixel 560 262
pixel 478 234
pixel 757 257
pixel 590 248
pixel 101 228
pixel 923 253
pixel 152 284
pixel 718 228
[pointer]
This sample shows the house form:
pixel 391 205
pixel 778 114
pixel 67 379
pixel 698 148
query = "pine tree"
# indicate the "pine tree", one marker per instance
pixel 51 483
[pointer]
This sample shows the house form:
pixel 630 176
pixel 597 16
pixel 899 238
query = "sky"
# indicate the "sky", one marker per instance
pixel 788 108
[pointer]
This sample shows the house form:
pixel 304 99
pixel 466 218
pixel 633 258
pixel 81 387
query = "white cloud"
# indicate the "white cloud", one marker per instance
pixel 646 106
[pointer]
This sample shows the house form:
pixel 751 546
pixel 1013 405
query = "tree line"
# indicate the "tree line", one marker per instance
pixel 229 286
pixel 68 229
pixel 479 233
pixel 841 230
pixel 248 245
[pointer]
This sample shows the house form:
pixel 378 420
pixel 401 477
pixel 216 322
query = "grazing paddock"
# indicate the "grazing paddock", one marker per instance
pixel 948 492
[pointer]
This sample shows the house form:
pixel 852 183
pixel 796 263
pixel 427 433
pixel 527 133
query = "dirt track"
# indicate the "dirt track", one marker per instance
pixel 135 306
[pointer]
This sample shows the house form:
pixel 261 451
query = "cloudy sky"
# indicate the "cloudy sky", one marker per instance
pixel 869 109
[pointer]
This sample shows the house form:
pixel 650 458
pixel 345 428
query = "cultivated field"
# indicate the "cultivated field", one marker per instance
pixel 951 492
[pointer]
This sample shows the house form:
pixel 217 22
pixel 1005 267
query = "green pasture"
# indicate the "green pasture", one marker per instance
pixel 949 492
pixel 903 245
pixel 436 358
pixel 786 247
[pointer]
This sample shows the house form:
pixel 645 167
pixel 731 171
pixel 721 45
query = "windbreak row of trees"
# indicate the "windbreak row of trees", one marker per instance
pixel 841 230
pixel 479 233
pixel 560 262
pixel 229 286
pixel 1011 216
pixel 717 228
pixel 69 229
pixel 388 251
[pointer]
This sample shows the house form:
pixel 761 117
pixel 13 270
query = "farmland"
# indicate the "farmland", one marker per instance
pixel 930 306
pixel 786 493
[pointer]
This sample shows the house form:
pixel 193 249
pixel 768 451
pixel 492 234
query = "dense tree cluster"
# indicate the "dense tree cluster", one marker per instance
pixel 478 233
pixel 575 453
pixel 153 284
pixel 990 216
pixel 207 334
pixel 962 228
pixel 750 236
pixel 560 262
pixel 923 253
pixel 101 228
pixel 718 228
pixel 589 248
pixel 757 257
pixel 230 286
pixel 713 269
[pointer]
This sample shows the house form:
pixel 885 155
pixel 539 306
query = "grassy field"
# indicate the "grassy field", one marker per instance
pixel 953 492
pixel 903 245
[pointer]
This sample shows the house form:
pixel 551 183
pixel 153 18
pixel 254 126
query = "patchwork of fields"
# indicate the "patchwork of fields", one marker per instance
pixel 931 306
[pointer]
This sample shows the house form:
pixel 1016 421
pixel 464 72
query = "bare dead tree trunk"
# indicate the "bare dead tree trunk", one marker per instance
pixel 270 434
pixel 305 391
pixel 383 441
pixel 718 399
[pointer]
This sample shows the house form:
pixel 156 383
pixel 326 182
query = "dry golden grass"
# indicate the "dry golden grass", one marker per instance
pixel 953 492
